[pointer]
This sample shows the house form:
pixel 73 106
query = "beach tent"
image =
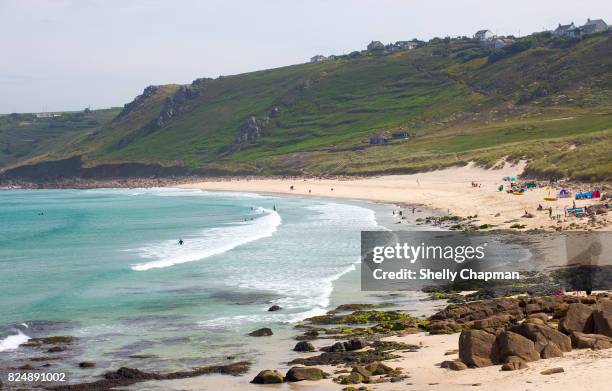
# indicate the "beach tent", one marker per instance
pixel 596 194
pixel 564 193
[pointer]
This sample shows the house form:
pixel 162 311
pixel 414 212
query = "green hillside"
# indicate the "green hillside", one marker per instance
pixel 24 136
pixel 541 98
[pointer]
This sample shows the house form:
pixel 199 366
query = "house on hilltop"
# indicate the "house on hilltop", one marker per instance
pixel 407 45
pixel 567 30
pixel 484 35
pixel 399 134
pixel 318 58
pixel 594 26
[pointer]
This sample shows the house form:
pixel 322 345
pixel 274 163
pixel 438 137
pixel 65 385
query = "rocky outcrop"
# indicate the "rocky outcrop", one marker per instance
pixel 174 105
pixel 275 308
pixel 251 129
pixel 579 317
pixel 268 376
pixel 138 102
pixel 304 373
pixel 543 336
pixel 477 348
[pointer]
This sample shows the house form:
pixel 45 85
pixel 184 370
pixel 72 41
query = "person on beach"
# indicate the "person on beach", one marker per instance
pixel 180 242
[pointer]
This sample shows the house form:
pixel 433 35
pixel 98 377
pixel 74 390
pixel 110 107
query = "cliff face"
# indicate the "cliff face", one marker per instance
pixel 456 100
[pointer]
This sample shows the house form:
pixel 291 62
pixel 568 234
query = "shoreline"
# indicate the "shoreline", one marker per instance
pixel 450 191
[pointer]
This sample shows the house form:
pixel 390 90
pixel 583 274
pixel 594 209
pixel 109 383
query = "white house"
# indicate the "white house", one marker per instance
pixel 318 58
pixel 484 35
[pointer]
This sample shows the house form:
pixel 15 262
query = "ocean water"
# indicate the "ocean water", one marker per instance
pixel 105 266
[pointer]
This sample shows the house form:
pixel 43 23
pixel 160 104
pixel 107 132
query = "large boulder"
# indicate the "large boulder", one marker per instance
pixel 268 376
pixel 591 341
pixel 354 344
pixel 602 318
pixel 304 373
pixel 304 346
pixel 363 372
pixel 579 317
pixel 513 344
pixel 543 335
pixel 477 348
pixel 263 332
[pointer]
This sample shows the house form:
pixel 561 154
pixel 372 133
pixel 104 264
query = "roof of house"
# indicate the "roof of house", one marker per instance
pixel 594 21
pixel 483 32
pixel 564 27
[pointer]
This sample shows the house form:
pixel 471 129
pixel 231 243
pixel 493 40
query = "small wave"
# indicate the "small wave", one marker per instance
pixel 12 342
pixel 213 241
pixel 174 192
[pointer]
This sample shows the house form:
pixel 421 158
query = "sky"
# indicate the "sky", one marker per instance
pixel 60 55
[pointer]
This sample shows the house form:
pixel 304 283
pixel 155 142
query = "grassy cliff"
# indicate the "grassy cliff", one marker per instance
pixel 544 99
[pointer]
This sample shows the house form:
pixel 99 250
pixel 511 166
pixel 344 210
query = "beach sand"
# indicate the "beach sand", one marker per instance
pixel 448 190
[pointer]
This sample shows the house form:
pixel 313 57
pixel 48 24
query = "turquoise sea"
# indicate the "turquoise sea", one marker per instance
pixel 105 266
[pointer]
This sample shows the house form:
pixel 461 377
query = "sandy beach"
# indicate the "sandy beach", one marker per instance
pixel 448 190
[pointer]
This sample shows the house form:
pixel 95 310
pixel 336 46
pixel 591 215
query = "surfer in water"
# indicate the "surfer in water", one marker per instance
pixel 274 208
pixel 180 242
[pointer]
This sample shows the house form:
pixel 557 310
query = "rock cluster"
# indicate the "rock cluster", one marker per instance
pixel 294 374
pixel 514 332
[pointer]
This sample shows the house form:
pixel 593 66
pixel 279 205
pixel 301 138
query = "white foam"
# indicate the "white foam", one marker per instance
pixel 173 192
pixel 213 241
pixel 12 342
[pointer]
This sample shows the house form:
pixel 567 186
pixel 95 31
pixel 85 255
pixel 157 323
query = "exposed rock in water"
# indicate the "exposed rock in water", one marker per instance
pixel 304 346
pixel 87 364
pixel 275 308
pixel 268 376
pixel 262 332
pixel 302 373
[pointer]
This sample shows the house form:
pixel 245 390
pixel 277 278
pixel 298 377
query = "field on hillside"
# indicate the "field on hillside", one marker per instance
pixel 544 99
